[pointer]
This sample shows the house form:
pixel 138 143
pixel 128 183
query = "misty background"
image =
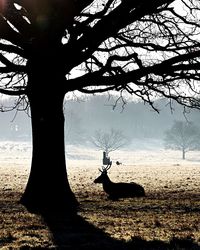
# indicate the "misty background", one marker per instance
pixel 83 116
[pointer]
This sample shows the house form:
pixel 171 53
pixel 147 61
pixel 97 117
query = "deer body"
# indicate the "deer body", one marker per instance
pixel 120 189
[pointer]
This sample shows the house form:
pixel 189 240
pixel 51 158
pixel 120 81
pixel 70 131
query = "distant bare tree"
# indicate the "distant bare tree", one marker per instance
pixel 183 136
pixel 109 141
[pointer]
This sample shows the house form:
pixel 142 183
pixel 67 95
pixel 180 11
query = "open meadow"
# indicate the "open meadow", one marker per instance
pixel 167 218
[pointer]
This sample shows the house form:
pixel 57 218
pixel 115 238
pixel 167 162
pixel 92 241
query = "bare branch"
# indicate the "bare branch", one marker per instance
pixel 109 141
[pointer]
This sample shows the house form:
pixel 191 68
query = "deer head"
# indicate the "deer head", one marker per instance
pixel 103 175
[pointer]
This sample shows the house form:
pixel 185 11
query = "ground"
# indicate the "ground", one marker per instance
pixel 167 218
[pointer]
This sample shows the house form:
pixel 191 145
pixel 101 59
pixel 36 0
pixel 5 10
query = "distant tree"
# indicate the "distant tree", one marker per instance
pixel 184 136
pixel 74 133
pixel 109 141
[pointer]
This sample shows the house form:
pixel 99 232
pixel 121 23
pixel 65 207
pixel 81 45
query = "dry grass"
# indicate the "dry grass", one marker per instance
pixel 167 218
pixel 171 208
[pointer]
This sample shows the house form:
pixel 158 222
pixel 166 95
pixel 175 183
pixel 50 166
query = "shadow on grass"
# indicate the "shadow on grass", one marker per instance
pixel 68 231
pixel 71 231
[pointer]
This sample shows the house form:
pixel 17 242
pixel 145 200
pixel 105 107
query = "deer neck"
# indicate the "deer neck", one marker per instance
pixel 106 182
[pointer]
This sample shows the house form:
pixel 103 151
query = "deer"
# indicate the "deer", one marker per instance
pixel 116 190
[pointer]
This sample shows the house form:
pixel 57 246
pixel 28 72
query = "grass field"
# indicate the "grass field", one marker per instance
pixel 167 218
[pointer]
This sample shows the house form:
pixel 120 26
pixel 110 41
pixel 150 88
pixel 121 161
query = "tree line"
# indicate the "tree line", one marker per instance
pixel 136 120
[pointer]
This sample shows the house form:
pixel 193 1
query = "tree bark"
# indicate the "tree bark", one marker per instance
pixel 48 188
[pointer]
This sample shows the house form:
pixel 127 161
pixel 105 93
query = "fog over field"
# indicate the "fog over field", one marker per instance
pixel 152 162
pixel 138 122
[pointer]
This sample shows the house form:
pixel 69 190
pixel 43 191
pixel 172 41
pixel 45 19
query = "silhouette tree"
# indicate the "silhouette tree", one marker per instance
pixel 183 136
pixel 147 49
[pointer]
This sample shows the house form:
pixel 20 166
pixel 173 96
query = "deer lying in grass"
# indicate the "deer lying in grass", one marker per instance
pixel 120 189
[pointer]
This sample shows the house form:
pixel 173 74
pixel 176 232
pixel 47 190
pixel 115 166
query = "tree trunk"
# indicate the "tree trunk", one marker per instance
pixel 183 154
pixel 48 188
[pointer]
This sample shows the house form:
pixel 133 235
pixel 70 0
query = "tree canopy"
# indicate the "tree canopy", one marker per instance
pixel 183 136
pixel 143 48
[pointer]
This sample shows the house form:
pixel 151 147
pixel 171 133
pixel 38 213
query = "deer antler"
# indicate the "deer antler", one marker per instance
pixel 103 169
pixel 108 166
